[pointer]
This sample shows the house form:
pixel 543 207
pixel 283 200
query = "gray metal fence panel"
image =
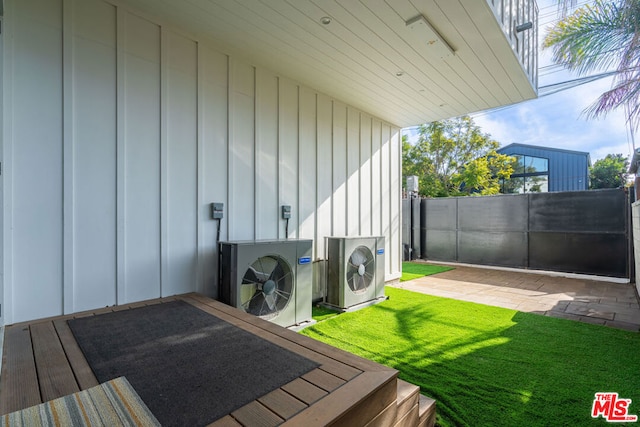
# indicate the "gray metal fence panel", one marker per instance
pixel 503 248
pixel 581 232
pixel 494 213
pixel 603 254
pixel 600 211
pixel 441 245
pixel 442 214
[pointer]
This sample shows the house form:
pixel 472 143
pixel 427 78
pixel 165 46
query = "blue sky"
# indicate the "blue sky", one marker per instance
pixel 557 120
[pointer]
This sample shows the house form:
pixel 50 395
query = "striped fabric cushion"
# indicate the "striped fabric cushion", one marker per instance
pixel 114 403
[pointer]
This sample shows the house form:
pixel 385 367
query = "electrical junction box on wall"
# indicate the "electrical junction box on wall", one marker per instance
pixel 217 210
pixel 286 212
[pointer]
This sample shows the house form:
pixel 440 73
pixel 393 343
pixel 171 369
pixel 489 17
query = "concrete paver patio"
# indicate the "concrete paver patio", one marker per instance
pixel 581 298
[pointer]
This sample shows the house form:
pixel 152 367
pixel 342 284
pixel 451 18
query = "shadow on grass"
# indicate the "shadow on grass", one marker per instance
pixel 492 366
pixel 415 270
pixel 320 313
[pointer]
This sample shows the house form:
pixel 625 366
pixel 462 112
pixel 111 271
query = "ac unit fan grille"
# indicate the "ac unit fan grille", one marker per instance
pixel 360 270
pixel 266 287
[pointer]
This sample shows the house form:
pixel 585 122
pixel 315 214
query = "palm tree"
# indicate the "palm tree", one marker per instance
pixel 602 36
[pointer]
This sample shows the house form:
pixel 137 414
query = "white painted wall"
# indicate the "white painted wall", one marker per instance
pixel 119 131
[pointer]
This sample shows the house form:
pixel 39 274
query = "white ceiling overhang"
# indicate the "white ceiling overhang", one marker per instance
pixel 405 61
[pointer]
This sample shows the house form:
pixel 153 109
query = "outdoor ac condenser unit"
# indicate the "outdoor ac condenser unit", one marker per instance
pixel 271 279
pixel 355 271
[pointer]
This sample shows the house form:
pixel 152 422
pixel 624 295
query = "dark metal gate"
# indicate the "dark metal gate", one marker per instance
pixel 579 232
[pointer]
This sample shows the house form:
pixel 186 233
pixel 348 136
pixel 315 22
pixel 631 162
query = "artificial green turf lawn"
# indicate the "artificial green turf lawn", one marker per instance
pixel 490 366
pixel 413 270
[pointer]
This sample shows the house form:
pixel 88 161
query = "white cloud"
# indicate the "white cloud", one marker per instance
pixel 558 121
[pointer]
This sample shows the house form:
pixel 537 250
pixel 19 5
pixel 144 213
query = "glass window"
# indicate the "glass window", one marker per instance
pixel 536 184
pixel 530 175
pixel 536 165
pixel 518 165
pixel 512 185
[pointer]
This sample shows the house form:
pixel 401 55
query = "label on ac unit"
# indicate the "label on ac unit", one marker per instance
pixel 304 260
pixel 380 251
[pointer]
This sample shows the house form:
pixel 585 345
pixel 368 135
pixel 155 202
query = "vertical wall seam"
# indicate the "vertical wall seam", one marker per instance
pixel 346 170
pixel 120 256
pixel 229 145
pixel 296 208
pixel 299 145
pixel 228 139
pixel 398 177
pixel 381 186
pixel 164 188
pixel 68 166
pixel 201 218
pixel 257 120
pixel 331 204
pixel 3 279
pixel 359 173
pixel 365 146
pixel 256 147
pixel 7 278
pixel 371 230
pixel 278 155
pixel 390 186
pixel 316 236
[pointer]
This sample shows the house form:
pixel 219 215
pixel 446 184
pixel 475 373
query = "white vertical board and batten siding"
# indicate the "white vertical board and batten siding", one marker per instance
pixel 385 188
pixel 214 113
pixel 93 144
pixel 33 144
pixel 376 178
pixel 67 156
pixel 339 169
pixel 324 174
pixel 139 112
pixel 307 174
pixel 288 125
pixel 242 151
pixel 266 170
pixel 139 128
pixel 181 127
pixel 353 172
pixel 364 191
pixel 393 250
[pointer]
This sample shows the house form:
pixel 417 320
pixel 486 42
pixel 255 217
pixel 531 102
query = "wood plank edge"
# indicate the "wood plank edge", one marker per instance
pixel 81 369
pixel 317 346
pixel 343 401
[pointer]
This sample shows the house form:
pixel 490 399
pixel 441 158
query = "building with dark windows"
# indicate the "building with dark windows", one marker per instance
pixel 544 169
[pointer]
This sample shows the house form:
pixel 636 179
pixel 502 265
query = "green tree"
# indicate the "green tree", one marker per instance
pixel 599 37
pixel 609 172
pixel 453 158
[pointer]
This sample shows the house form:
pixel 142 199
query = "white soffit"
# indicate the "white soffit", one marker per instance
pixel 426 36
pixel 405 61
